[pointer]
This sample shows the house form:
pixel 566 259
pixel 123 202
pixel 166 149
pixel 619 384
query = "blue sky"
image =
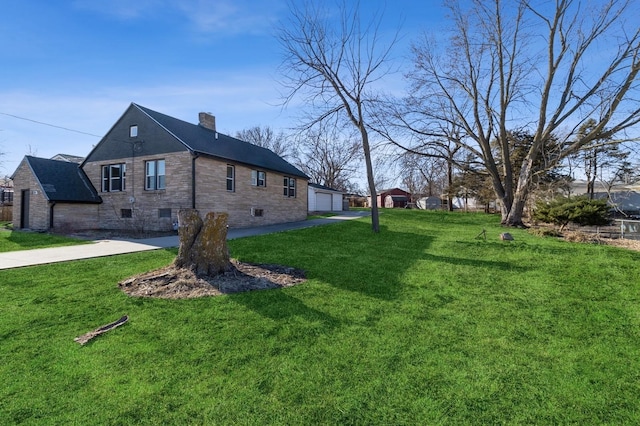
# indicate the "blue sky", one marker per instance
pixel 78 64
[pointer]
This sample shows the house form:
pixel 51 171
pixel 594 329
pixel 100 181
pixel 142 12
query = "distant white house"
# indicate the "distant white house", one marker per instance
pixel 625 198
pixel 324 199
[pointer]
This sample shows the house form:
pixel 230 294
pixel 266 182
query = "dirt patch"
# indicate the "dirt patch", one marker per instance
pixel 175 283
pixel 606 235
pixel 624 243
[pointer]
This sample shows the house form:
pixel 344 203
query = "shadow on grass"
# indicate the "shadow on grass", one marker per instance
pixel 491 264
pixel 347 256
pixel 279 306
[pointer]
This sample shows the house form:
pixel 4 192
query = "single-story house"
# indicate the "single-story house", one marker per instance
pixel 355 200
pixel 324 199
pixel 147 167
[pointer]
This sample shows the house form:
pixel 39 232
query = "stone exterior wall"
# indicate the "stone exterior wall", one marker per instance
pixel 38 204
pixel 246 200
pixel 68 217
pixel 145 206
pixel 211 194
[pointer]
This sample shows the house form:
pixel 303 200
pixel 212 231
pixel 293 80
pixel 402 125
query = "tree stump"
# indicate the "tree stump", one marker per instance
pixel 203 244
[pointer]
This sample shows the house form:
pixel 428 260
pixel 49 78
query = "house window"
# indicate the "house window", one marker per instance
pixel 164 213
pixel 133 131
pixel 113 177
pixel 154 175
pixel 231 176
pixel 258 178
pixel 126 213
pixel 289 187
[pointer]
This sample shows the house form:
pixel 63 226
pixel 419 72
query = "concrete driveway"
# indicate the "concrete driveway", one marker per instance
pixel 99 248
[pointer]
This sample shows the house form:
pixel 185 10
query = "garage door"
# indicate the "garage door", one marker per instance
pixel 323 202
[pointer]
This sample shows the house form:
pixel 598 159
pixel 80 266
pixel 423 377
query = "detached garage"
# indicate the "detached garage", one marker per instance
pixel 324 199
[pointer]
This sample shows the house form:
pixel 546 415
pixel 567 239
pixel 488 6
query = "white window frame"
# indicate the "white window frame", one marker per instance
pixel 258 178
pixel 153 179
pixel 231 178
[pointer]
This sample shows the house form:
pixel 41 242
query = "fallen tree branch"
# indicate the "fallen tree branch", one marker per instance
pixel 98 331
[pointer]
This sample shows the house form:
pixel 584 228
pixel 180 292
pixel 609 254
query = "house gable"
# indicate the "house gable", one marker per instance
pixel 206 141
pixel 151 139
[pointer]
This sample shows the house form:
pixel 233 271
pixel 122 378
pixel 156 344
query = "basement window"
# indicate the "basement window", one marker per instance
pixel 126 213
pixel 164 213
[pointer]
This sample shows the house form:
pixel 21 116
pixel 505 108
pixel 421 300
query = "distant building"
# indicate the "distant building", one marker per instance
pixel 392 198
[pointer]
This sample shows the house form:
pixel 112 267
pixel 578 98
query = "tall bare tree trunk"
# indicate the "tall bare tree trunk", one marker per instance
pixel 375 221
pixel 203 244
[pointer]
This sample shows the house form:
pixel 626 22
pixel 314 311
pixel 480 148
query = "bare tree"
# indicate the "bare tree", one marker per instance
pixel 538 64
pixel 423 175
pixel 333 66
pixel 601 160
pixel 266 138
pixel 399 124
pixel 328 157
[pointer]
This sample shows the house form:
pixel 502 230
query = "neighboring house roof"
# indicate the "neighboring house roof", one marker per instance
pixel 385 191
pixel 201 140
pixel 623 200
pixel 325 188
pixel 68 157
pixel 63 181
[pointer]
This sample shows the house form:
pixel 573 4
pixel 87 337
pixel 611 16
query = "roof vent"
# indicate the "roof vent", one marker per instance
pixel 207 120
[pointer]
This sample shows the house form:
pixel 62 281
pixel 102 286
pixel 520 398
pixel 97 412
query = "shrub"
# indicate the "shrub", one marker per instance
pixel 579 210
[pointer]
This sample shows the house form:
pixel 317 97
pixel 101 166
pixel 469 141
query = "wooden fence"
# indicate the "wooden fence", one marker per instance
pixel 6 213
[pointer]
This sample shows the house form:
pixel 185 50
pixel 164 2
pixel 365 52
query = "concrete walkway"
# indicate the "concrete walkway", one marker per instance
pixel 99 248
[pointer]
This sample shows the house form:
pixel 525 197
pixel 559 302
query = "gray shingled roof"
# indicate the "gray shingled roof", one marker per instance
pixel 208 142
pixel 63 181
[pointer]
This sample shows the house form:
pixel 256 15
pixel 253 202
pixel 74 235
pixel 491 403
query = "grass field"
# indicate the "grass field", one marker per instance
pixel 421 324
pixel 21 240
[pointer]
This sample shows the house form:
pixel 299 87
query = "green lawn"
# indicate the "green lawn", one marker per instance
pixel 22 240
pixel 420 324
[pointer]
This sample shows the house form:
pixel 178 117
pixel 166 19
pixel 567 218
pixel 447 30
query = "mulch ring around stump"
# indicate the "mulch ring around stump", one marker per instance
pixel 178 283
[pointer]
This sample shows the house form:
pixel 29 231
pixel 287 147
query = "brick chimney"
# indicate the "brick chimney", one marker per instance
pixel 207 120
